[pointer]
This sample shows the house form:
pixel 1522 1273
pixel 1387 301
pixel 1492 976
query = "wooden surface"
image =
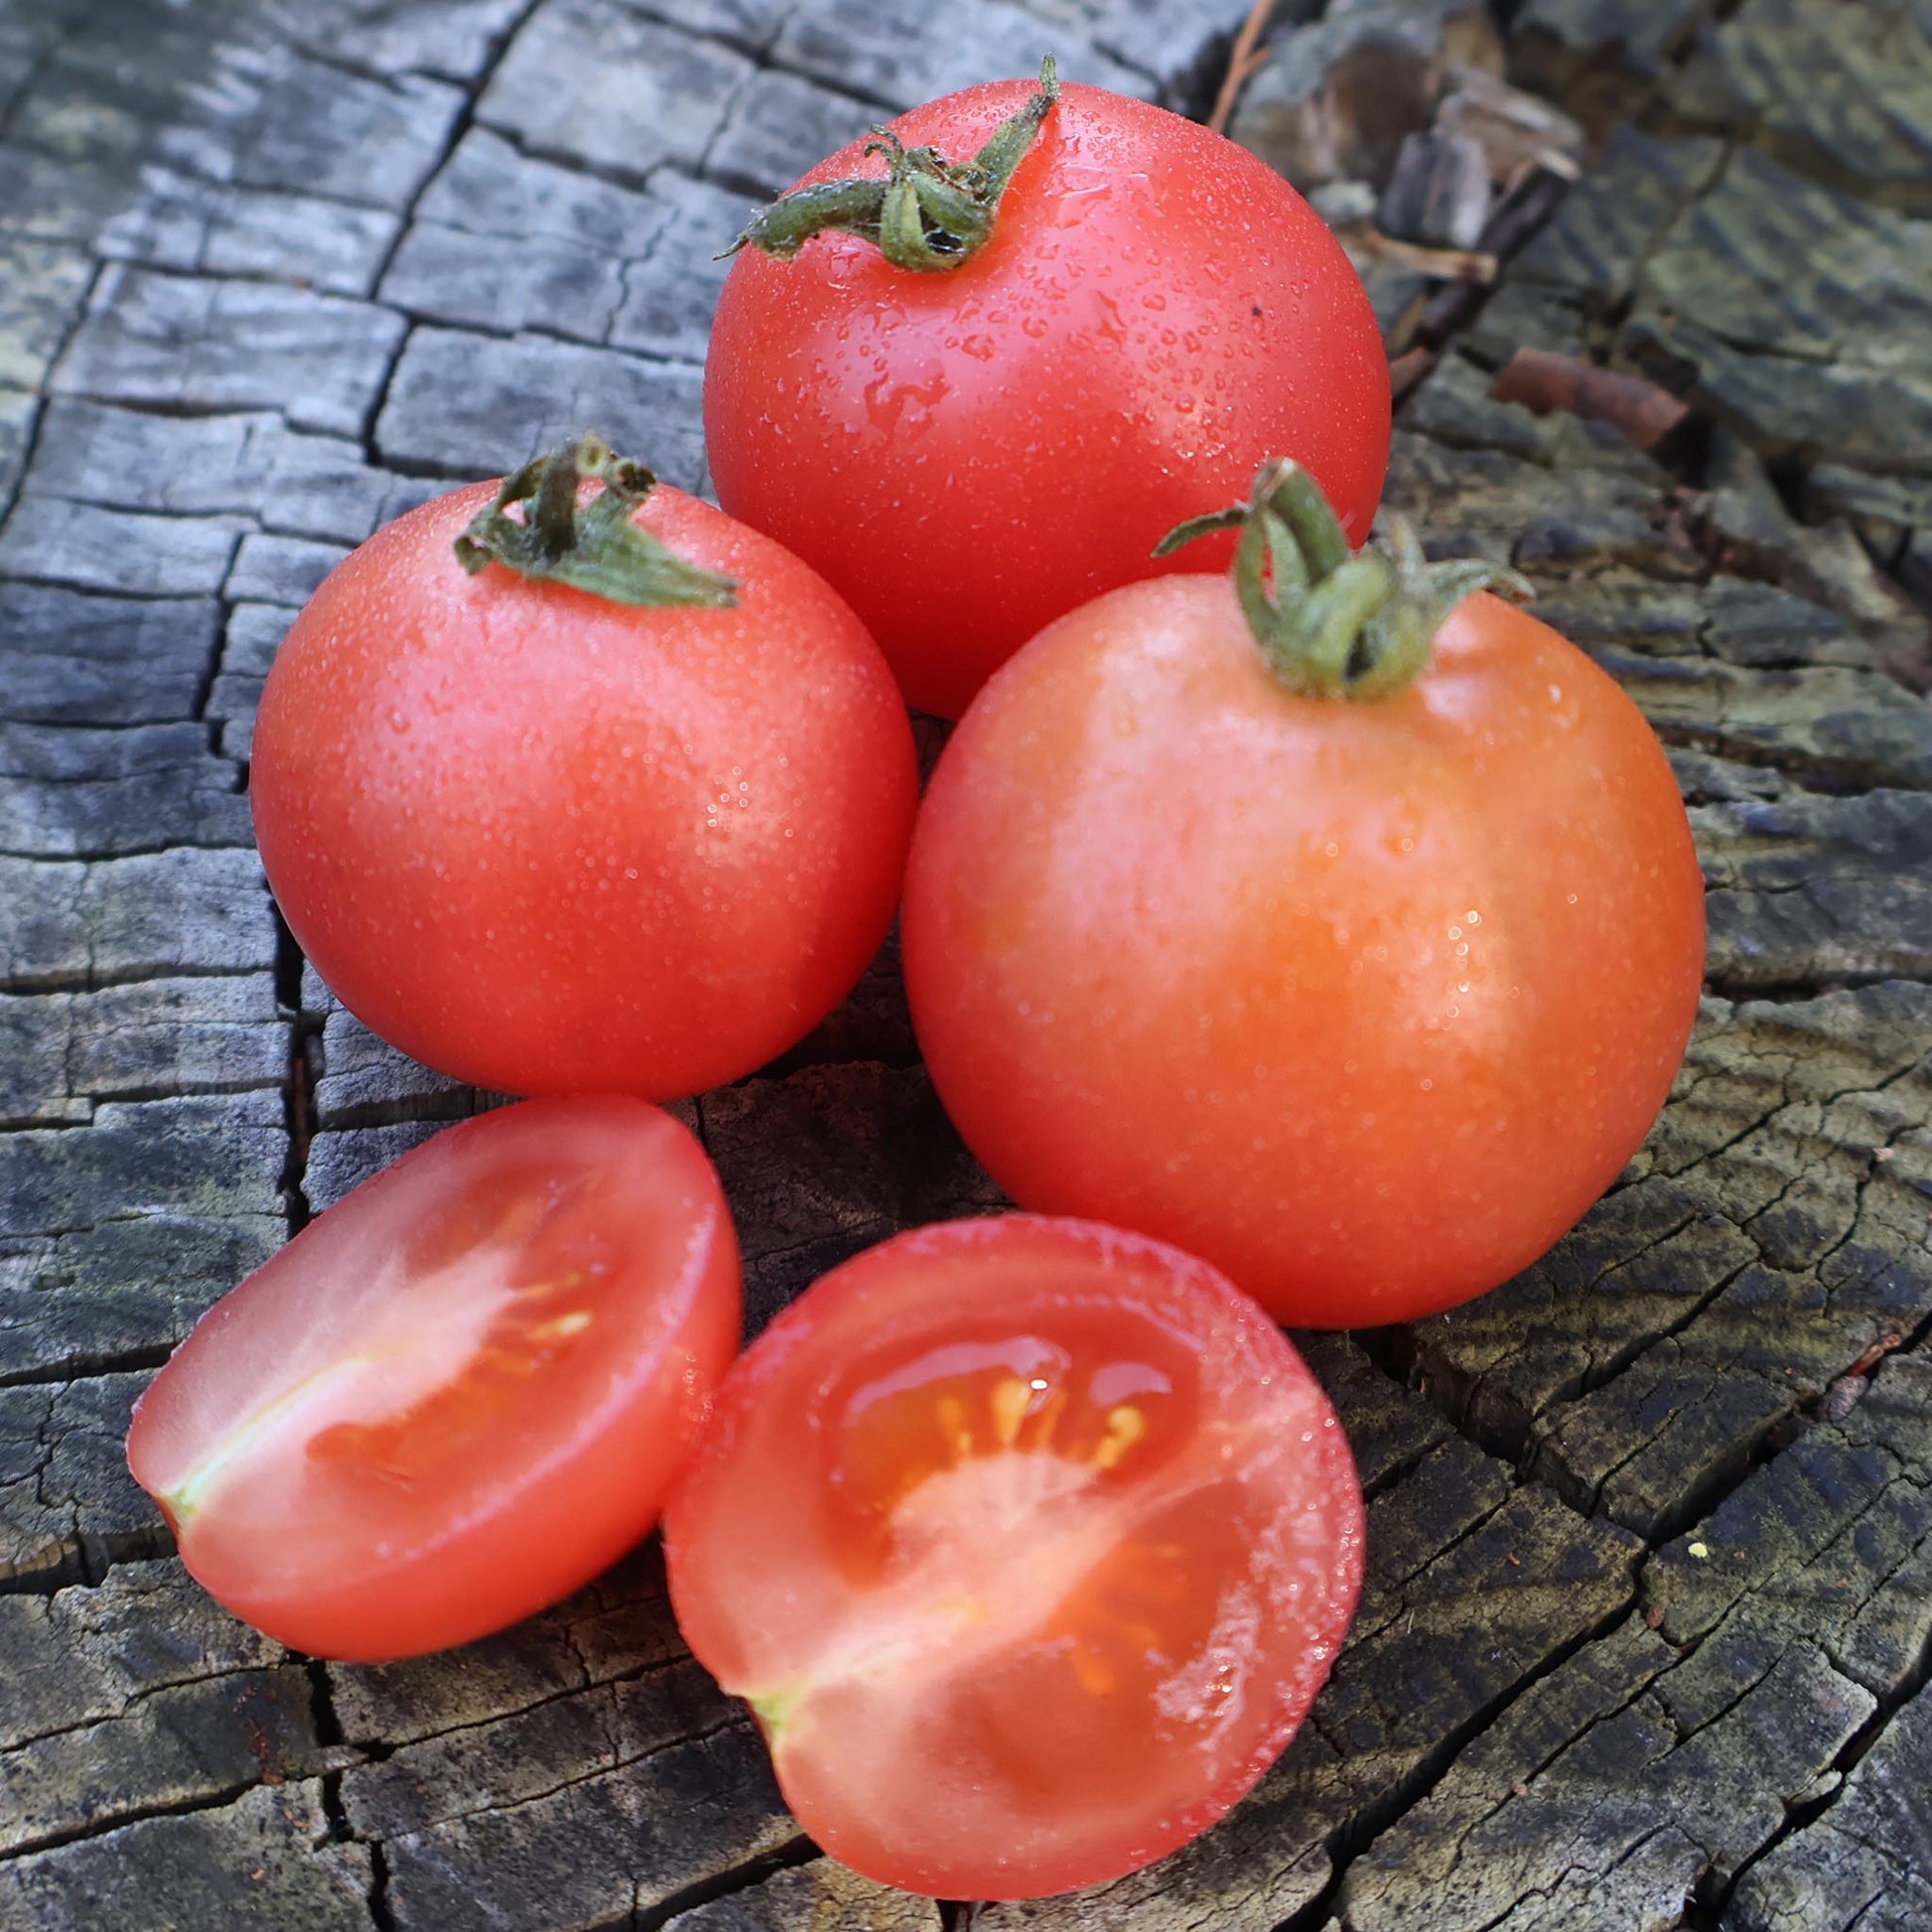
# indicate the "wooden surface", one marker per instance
pixel 1649 1620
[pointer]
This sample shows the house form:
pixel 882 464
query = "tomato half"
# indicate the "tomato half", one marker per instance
pixel 1365 1001
pixel 967 455
pixel 548 843
pixel 458 1394
pixel 1028 1541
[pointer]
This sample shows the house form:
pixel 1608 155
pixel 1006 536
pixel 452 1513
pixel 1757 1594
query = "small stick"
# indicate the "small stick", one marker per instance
pixel 1409 369
pixel 1542 380
pixel 1877 1354
pixel 1444 264
pixel 1243 65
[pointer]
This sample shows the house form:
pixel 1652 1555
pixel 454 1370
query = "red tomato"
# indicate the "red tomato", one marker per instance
pixel 969 454
pixel 1030 1541
pixel 461 1392
pixel 545 843
pixel 1365 1001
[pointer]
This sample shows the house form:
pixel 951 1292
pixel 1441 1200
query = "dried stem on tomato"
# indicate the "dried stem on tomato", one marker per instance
pixel 929 214
pixel 1334 623
pixel 594 544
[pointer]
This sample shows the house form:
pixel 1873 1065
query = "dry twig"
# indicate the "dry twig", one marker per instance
pixel 1409 369
pixel 1542 382
pixel 1247 60
pixel 1444 264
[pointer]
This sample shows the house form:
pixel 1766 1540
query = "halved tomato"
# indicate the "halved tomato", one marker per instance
pixel 461 1392
pixel 1028 1541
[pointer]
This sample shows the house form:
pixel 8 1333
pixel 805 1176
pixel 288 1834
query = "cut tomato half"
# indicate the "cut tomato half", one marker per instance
pixel 1030 1541
pixel 461 1392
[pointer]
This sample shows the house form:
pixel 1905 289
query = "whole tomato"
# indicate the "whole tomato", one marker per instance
pixel 548 841
pixel 1111 318
pixel 1363 998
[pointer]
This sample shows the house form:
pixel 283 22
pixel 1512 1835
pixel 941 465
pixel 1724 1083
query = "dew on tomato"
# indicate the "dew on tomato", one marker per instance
pixel 461 1392
pixel 967 455
pixel 1365 1001
pixel 548 843
pixel 1029 1543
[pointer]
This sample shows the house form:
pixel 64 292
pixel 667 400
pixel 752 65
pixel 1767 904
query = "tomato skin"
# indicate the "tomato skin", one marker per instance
pixel 1366 1002
pixel 971 454
pixel 533 1446
pixel 546 843
pixel 1068 1667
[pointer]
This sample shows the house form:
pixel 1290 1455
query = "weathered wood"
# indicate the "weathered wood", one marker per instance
pixel 79 659
pixel 1603 58
pixel 1840 94
pixel 115 1236
pixel 184 911
pixel 1439 192
pixel 1338 93
pixel 188 342
pixel 267 1858
pixel 1760 1251
pixel 1770 294
pixel 1864 1862
pixel 453 395
pixel 1650 1550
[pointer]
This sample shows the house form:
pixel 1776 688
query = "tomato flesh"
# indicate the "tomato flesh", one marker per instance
pixel 1030 1541
pixel 968 455
pixel 1365 1002
pixel 461 1392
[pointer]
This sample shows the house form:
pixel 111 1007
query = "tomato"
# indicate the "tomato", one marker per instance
pixel 458 1394
pixel 547 842
pixel 1365 1001
pixel 1030 1543
pixel 969 454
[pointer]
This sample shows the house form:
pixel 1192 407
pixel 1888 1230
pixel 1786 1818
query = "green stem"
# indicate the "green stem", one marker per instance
pixel 1331 622
pixel 594 546
pixel 928 213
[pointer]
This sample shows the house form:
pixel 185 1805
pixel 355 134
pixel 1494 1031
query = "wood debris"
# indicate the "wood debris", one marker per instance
pixel 1543 381
pixel 1439 192
pixel 1516 131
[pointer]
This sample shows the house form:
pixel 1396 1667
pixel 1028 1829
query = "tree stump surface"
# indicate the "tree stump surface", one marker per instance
pixel 1647 1631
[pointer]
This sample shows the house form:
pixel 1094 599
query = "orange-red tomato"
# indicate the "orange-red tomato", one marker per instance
pixel 548 843
pixel 458 1394
pixel 1030 1543
pixel 1365 1002
pixel 970 454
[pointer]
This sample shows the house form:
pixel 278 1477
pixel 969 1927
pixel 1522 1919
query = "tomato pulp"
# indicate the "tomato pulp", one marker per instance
pixel 458 1394
pixel 547 843
pixel 1365 1001
pixel 1030 1541
pixel 967 455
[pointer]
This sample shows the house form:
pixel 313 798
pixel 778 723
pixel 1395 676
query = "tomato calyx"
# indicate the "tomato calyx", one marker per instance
pixel 593 545
pixel 929 214
pixel 1333 623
